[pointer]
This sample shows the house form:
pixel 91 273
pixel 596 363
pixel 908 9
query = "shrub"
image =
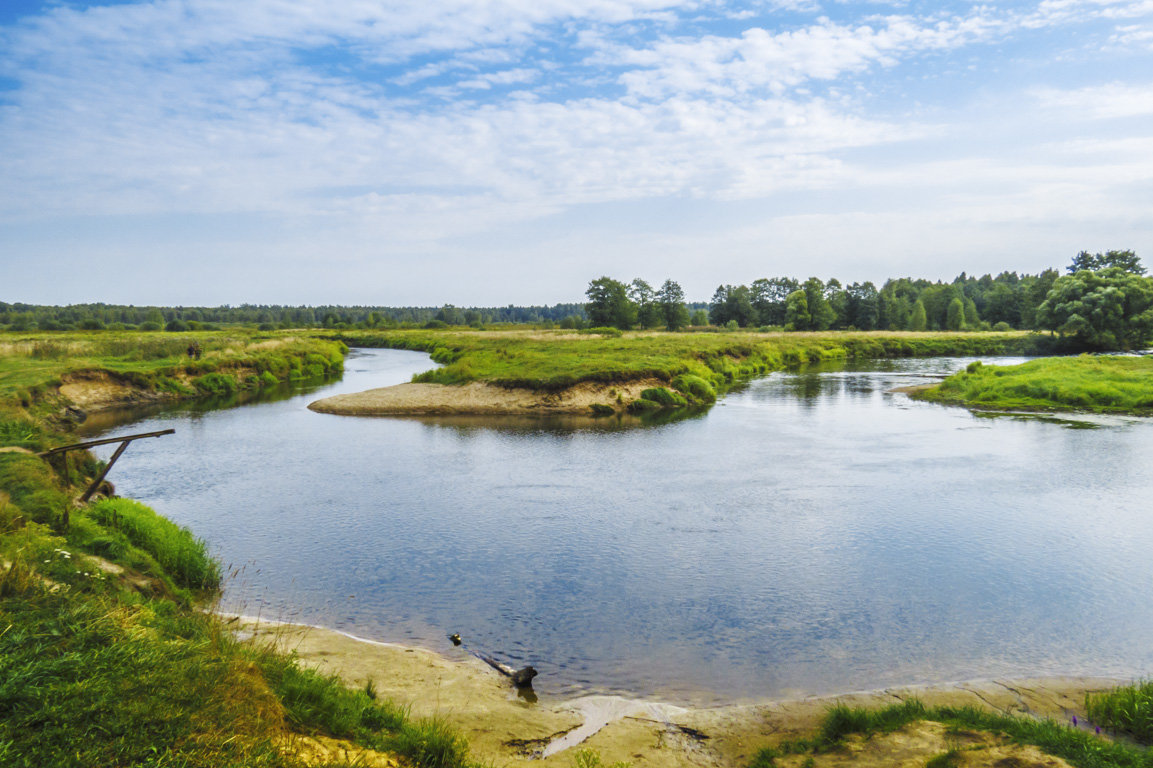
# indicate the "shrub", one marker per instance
pixel 266 379
pixel 643 406
pixel 600 409
pixel 665 398
pixel 176 326
pixel 696 387
pixel 215 383
pixel 1002 326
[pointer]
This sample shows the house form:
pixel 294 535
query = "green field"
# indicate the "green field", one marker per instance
pixel 549 360
pixel 1085 383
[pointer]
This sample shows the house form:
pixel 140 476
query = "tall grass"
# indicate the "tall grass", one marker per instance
pixel 1099 384
pixel 1128 709
pixel 182 556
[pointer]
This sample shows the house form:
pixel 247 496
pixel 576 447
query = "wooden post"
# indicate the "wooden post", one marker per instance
pixel 96 483
pixel 124 440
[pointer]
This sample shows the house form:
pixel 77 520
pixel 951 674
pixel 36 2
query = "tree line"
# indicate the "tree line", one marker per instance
pixel 28 317
pixel 1104 301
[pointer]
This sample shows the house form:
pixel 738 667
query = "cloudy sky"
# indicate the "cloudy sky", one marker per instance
pixel 482 152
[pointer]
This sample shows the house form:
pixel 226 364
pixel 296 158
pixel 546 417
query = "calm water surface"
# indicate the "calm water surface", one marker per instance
pixel 812 533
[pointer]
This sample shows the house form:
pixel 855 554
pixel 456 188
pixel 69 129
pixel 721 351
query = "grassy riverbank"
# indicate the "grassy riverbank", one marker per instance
pixel 1084 383
pixel 555 360
pixel 106 656
pixel 159 365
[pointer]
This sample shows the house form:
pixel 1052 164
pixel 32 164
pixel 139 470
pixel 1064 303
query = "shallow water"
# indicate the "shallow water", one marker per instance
pixel 811 533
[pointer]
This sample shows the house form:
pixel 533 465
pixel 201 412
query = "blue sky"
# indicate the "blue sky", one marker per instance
pixel 509 151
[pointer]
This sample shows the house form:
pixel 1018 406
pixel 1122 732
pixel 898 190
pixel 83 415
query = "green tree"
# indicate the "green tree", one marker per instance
pixel 1109 309
pixel 864 306
pixel 700 318
pixel 971 316
pixel 955 315
pixel 671 303
pixel 768 295
pixel 821 314
pixel 797 316
pixel 643 296
pixel 609 304
pixel 919 320
pixel 1095 262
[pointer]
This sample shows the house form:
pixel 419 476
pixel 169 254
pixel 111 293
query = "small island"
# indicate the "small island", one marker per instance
pixel 1097 384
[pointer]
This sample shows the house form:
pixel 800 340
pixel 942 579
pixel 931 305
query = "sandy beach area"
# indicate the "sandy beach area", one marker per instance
pixel 481 399
pixel 507 730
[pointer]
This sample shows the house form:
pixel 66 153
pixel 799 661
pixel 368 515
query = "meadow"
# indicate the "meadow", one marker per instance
pixel 1099 384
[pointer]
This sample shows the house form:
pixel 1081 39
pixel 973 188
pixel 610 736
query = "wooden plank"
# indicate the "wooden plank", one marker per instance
pixel 96 483
pixel 105 441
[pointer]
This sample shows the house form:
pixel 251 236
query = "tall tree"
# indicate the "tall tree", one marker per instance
pixel 643 296
pixel 609 304
pixel 919 320
pixel 821 314
pixel 797 315
pixel 955 315
pixel 671 302
pixel 1095 262
pixel 768 295
pixel 1107 309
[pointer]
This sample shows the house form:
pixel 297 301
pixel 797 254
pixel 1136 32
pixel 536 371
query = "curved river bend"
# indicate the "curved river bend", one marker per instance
pixel 811 533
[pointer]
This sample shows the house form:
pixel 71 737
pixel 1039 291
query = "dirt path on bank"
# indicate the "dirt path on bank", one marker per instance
pixel 506 730
pixel 481 399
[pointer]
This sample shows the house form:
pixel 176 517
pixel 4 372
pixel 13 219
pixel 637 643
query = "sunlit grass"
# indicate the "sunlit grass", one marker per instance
pixel 1101 384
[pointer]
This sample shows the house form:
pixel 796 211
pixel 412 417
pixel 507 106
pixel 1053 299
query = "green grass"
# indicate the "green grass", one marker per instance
pixel 1084 383
pixel 106 656
pixel 1128 709
pixel 182 556
pixel 552 360
pixel 32 364
pixel 1079 748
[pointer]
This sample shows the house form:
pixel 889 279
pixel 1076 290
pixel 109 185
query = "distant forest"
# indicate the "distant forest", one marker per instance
pixel 1008 300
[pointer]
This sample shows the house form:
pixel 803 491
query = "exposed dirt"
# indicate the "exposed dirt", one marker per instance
pixel 481 399
pixel 508 730
pixel 93 391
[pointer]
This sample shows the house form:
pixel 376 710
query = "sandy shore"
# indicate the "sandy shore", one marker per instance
pixel 481 399
pixel 507 730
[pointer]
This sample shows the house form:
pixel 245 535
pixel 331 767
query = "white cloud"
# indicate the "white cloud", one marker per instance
pixel 1100 102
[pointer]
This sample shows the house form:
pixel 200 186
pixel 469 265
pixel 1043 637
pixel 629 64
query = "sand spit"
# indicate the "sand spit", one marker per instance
pixel 508 730
pixel 481 399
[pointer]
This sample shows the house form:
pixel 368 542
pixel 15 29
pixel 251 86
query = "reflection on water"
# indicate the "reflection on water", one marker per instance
pixel 813 532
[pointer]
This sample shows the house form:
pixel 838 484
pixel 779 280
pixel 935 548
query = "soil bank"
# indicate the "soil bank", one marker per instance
pixel 506 729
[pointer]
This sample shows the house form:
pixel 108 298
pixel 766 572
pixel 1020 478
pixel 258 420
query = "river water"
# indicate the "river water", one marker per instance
pixel 812 533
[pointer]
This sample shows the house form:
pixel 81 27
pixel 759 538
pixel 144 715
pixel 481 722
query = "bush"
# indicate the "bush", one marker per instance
pixel 215 383
pixel 695 387
pixel 643 406
pixel 149 326
pixel 1002 327
pixel 665 398
pixel 600 409
pixel 176 326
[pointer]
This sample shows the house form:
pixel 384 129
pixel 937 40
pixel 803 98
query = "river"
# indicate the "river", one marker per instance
pixel 812 533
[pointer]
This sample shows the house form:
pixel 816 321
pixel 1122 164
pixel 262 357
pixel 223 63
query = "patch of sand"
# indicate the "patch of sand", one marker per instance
pixel 507 730
pixel 94 391
pixel 481 399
